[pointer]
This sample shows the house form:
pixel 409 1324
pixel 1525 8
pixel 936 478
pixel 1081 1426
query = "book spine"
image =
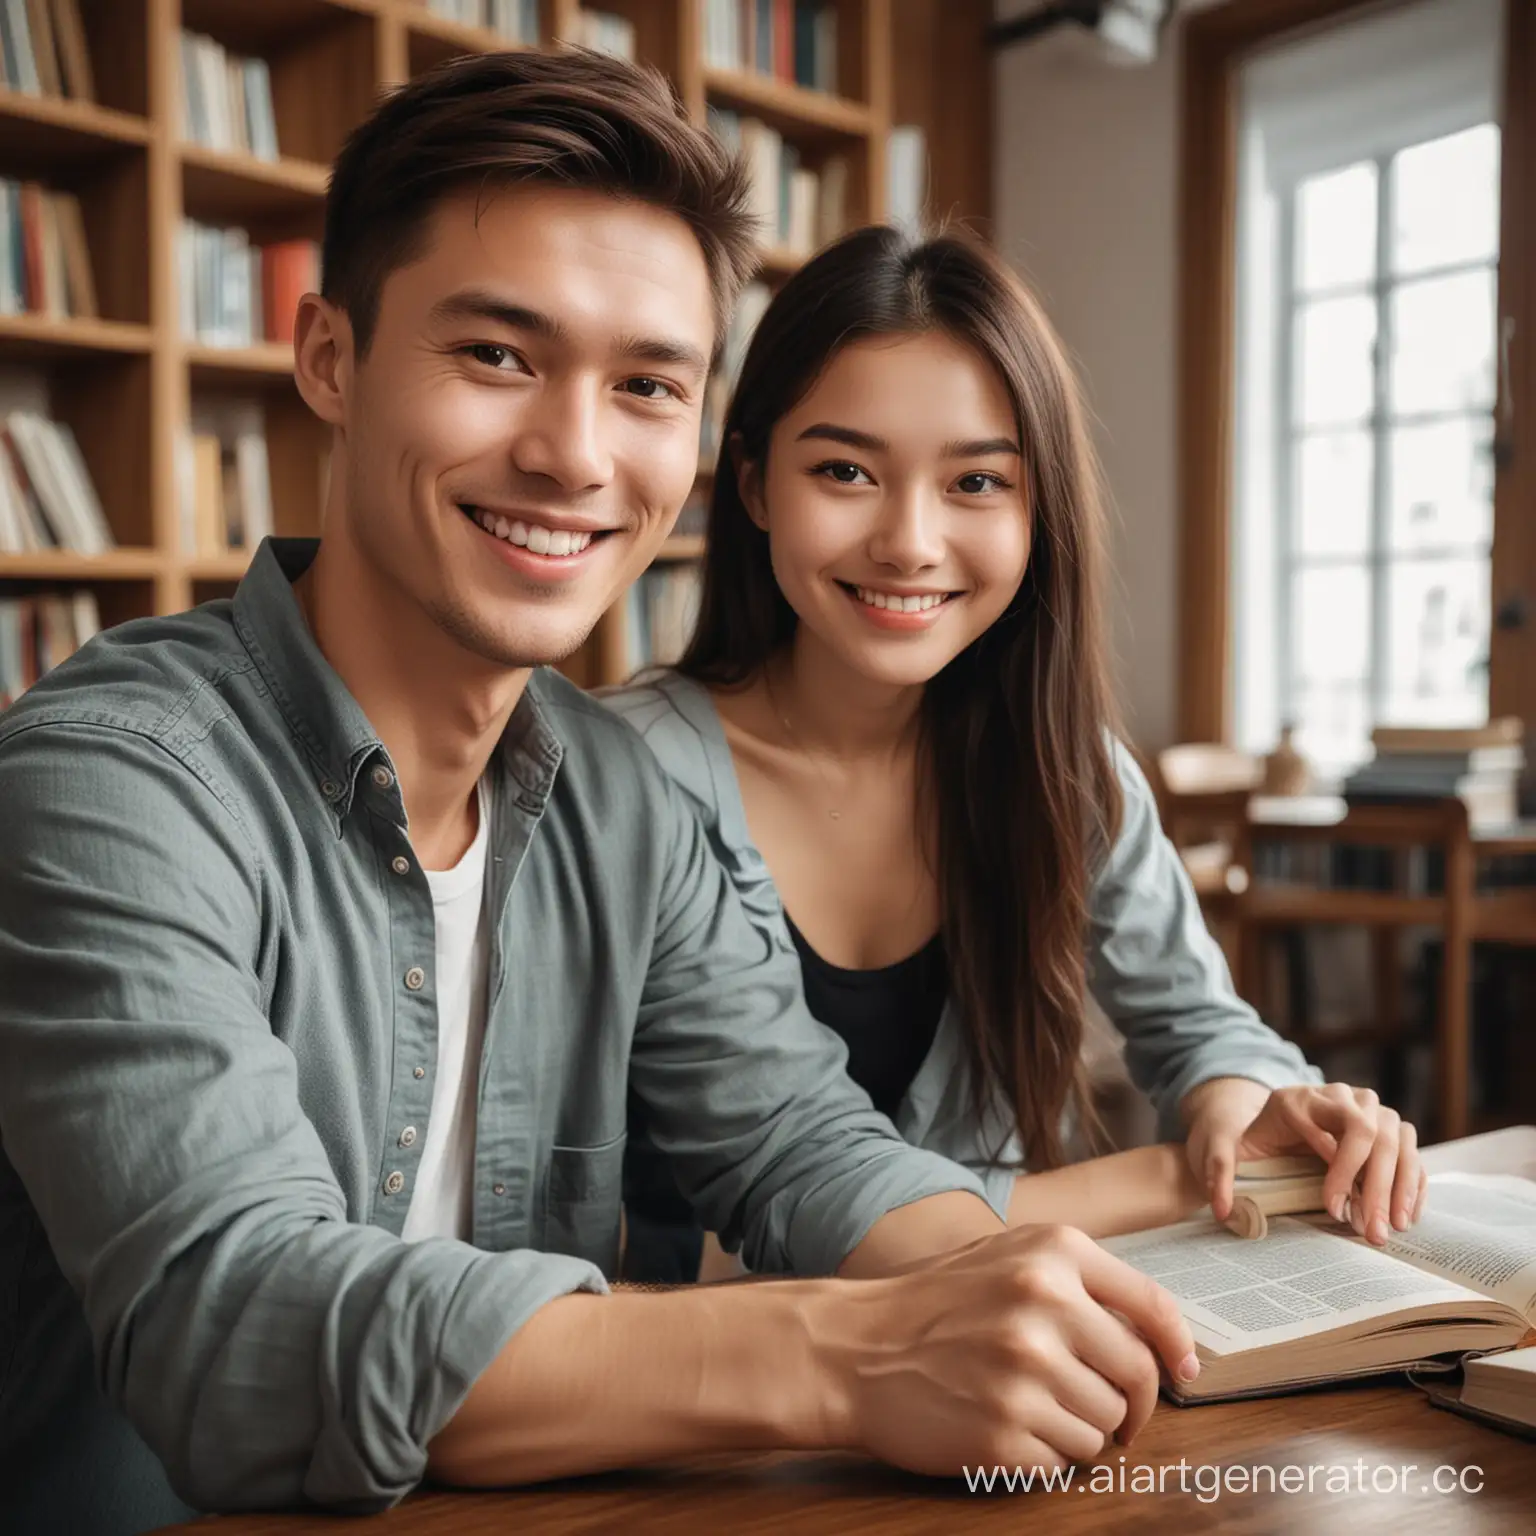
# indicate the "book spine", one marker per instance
pixel 289 270
pixel 19 49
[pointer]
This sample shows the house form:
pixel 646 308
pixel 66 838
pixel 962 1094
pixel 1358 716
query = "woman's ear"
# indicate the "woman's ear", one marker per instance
pixel 749 482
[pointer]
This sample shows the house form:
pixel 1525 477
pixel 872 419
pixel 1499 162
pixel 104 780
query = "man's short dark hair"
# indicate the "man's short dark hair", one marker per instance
pixel 569 118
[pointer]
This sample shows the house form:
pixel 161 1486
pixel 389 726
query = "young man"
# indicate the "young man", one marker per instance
pixel 334 935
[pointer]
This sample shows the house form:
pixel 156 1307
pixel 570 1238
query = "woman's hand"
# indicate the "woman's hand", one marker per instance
pixel 1364 1143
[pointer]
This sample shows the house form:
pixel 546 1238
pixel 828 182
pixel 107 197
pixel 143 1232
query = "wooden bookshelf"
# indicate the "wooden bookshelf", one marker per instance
pixel 129 381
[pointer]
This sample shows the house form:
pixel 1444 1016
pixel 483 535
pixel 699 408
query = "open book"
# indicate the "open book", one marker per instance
pixel 1312 1303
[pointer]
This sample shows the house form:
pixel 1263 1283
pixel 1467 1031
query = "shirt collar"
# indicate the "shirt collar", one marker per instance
pixel 329 724
pixel 326 720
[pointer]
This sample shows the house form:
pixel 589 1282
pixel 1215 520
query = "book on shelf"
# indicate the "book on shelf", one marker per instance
pixel 906 176
pixel 660 611
pixel 515 20
pixel 289 270
pixel 1312 1303
pixel 226 99
pixel 43 49
pixel 604 32
pixel 38 632
pixel 45 264
pixel 717 390
pixel 47 498
pixel 797 208
pixel 233 293
pixel 226 489
pixel 792 40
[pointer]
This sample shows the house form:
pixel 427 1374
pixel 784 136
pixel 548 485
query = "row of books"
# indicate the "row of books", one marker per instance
pixel 660 611
pixel 717 392
pixel 515 20
pixel 47 497
pixel 226 483
pixel 43 49
pixel 45 261
pixel 605 32
pixel 797 208
pixel 233 293
pixel 40 631
pixel 226 99
pixel 792 40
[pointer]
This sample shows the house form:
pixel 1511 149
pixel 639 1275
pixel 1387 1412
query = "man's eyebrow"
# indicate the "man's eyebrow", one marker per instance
pixel 663 349
pixel 478 304
pixel 851 437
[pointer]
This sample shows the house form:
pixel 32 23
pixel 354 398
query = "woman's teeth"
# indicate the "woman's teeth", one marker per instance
pixel 541 540
pixel 915 604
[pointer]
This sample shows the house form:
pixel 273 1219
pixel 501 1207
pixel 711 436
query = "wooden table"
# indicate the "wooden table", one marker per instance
pixel 1364 1430
pixel 1363 1435
pixel 1459 911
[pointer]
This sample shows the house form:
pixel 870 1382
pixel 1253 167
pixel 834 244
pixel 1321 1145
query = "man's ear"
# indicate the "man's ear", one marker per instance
pixel 749 482
pixel 323 358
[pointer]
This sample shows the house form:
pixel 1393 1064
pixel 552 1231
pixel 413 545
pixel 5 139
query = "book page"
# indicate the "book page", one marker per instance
pixel 1479 1230
pixel 1238 1294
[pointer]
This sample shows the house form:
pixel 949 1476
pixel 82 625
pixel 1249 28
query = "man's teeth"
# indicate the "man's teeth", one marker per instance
pixel 916 604
pixel 541 540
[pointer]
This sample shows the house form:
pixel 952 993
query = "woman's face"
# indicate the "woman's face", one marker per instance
pixel 894 503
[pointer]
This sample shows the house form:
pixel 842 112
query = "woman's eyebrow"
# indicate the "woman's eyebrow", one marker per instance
pixel 965 448
pixel 978 447
pixel 849 437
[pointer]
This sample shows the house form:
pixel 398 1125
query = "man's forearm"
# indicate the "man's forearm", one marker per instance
pixel 1123 1192
pixel 592 1383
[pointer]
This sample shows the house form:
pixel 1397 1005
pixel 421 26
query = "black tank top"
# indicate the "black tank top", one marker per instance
pixel 888 1018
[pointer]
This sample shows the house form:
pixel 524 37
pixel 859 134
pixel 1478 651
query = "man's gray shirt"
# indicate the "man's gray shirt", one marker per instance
pixel 218 1038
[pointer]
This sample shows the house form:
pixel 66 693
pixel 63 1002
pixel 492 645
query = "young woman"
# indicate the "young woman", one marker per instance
pixel 895 720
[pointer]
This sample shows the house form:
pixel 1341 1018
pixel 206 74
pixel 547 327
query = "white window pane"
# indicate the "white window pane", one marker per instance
pixel 1442 353
pixel 1333 494
pixel 1445 201
pixel 1442 484
pixel 1336 229
pixel 1335 347
pixel 1330 624
pixel 1332 722
pixel 1437 616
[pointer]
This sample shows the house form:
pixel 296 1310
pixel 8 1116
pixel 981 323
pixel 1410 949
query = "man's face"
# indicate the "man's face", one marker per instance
pixel 525 426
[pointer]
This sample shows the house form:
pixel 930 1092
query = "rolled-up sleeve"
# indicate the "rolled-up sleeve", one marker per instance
pixel 1161 978
pixel 268 1349
pixel 778 1149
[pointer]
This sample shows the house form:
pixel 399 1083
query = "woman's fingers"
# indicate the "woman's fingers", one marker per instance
pixel 1351 1115
pixel 1405 1183
pixel 1372 1211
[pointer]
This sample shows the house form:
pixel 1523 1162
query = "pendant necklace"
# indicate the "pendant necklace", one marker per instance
pixel 799 746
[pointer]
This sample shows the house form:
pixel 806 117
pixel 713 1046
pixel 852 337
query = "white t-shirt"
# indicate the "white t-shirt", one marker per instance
pixel 441 1203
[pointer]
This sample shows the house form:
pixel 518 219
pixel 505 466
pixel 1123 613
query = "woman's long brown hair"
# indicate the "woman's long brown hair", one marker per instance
pixel 1015 758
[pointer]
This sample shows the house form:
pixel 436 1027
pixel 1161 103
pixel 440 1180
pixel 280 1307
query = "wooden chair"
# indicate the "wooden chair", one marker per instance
pixel 1203 794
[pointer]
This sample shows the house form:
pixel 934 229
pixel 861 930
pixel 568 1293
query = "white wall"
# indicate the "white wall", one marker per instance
pixel 1084 200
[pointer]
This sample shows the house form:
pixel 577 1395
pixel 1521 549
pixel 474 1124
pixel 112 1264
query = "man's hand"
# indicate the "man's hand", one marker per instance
pixel 1364 1143
pixel 1007 1352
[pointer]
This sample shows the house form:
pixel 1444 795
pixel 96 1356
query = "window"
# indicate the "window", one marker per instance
pixel 1367 361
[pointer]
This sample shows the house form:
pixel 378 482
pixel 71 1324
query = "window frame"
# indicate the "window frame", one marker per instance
pixel 1214 45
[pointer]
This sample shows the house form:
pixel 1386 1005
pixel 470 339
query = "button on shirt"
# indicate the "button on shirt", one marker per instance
pixel 442 1195
pixel 216 1017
